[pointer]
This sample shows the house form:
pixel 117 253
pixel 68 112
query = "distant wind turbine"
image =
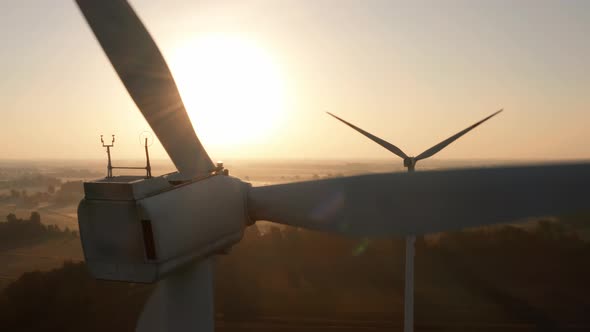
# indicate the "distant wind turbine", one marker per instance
pixel 410 164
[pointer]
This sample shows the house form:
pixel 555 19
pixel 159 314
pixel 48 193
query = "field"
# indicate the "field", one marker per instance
pixel 44 256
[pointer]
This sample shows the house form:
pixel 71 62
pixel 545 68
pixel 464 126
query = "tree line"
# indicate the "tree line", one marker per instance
pixel 69 192
pixel 17 232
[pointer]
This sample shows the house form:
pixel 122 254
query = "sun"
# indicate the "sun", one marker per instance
pixel 231 87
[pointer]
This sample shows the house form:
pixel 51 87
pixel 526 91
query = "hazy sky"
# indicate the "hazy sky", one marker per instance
pixel 411 73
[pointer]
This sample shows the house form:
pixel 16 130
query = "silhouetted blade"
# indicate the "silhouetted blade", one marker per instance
pixel 394 149
pixel 424 202
pixel 142 69
pixel 433 150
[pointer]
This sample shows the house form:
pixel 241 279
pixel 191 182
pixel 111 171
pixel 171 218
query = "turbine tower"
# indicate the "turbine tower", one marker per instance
pixel 166 228
pixel 410 164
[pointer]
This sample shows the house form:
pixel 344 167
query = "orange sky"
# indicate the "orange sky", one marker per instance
pixel 411 74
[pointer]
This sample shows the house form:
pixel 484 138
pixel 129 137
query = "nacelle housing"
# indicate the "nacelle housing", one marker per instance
pixel 138 230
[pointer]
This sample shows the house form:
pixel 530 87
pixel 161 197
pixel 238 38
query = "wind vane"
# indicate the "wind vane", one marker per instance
pixel 110 167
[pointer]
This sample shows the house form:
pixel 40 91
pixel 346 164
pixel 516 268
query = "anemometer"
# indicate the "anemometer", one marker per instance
pixel 110 167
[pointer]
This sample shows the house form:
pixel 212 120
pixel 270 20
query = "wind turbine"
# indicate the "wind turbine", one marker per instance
pixel 166 229
pixel 410 164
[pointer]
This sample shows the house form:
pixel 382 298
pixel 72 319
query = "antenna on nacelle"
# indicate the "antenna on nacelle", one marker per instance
pixel 108 146
pixel 110 167
pixel 148 167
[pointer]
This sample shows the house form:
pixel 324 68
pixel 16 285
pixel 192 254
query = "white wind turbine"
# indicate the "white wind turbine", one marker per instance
pixel 410 164
pixel 165 229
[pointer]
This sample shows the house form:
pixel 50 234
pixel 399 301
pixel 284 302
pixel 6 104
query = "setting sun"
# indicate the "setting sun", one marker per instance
pixel 231 87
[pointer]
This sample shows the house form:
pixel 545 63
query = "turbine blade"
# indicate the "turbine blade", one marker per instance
pixel 424 202
pixel 433 150
pixel 181 302
pixel 392 148
pixel 142 69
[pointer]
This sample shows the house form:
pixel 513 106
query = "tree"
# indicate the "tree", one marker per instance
pixel 11 217
pixel 35 218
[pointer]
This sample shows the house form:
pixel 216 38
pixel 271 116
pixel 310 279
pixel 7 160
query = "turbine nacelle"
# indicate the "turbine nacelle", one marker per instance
pixel 410 163
pixel 139 230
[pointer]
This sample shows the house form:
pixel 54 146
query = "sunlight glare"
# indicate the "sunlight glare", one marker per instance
pixel 232 89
